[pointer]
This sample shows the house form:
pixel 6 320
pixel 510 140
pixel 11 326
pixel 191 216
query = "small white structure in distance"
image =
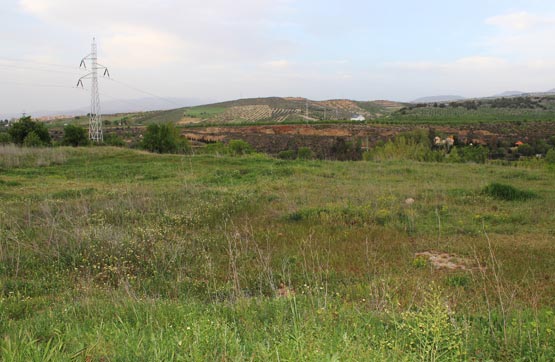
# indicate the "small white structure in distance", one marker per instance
pixel 359 118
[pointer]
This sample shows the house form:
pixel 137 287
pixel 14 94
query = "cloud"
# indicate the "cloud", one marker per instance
pixel 138 47
pixel 518 21
pixel 473 63
pixel 277 64
pixel 522 36
pixel 155 32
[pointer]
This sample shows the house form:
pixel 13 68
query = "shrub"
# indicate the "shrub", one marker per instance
pixel 164 138
pixel 75 136
pixel 346 151
pixel 550 156
pixel 526 150
pixel 304 153
pixel 240 147
pixel 32 140
pixel 477 154
pixel 5 138
pixel 406 146
pixel 287 155
pixel 21 129
pixel 507 192
pixel 114 140
pixel 216 148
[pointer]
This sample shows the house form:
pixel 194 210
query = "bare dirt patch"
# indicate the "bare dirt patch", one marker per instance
pixel 441 260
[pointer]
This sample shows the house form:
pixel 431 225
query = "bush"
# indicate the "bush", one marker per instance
pixel 305 153
pixel 406 146
pixel 550 156
pixel 21 129
pixel 507 192
pixel 75 136
pixel 32 140
pixel 216 148
pixel 526 150
pixel 477 154
pixel 240 147
pixel 468 154
pixel 114 140
pixel 287 155
pixel 5 138
pixel 164 138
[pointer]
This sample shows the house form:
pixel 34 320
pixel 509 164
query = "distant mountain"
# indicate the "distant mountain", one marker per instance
pixel 441 98
pixel 126 106
pixel 510 94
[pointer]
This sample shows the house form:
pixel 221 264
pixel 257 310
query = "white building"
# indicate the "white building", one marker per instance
pixel 359 118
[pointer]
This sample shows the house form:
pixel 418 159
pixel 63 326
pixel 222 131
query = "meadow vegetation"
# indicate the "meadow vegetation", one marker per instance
pixel 118 254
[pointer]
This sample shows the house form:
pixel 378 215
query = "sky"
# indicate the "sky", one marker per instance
pixel 214 50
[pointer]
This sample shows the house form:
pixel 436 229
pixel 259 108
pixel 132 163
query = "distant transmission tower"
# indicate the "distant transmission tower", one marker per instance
pixel 95 122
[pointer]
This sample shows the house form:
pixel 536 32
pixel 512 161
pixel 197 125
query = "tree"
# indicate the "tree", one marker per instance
pixel 164 138
pixel 526 150
pixel 5 138
pixel 22 128
pixel 32 140
pixel 75 136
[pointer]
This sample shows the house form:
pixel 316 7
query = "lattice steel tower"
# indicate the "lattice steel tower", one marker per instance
pixel 95 121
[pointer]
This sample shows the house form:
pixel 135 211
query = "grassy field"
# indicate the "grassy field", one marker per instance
pixel 110 254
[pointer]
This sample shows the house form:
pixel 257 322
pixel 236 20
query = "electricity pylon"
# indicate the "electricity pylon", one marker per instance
pixel 95 122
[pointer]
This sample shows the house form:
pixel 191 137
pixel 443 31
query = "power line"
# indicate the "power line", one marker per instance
pixel 37 62
pixel 39 85
pixel 145 92
pixel 77 69
pixel 37 69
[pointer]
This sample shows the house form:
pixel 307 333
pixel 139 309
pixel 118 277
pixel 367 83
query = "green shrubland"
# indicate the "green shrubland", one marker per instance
pixel 116 254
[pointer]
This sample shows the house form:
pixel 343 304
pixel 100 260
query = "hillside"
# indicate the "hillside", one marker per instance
pixel 505 109
pixel 442 98
pixel 277 110
pixel 290 109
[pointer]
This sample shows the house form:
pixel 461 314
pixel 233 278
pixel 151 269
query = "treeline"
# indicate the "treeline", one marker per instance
pixel 514 103
pixel 163 138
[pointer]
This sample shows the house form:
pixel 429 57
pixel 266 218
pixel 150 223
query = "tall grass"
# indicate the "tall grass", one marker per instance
pixel 12 156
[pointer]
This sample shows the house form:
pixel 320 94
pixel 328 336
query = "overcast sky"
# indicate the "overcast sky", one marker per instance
pixel 220 50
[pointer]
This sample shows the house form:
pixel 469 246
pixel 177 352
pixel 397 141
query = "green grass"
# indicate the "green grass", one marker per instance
pixel 507 192
pixel 123 255
pixel 204 111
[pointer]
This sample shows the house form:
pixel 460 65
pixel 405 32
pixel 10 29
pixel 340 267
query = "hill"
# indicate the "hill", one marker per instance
pixel 289 109
pixel 505 109
pixel 443 98
pixel 510 94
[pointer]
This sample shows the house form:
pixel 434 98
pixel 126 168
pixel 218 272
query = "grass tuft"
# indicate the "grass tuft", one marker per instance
pixel 507 192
